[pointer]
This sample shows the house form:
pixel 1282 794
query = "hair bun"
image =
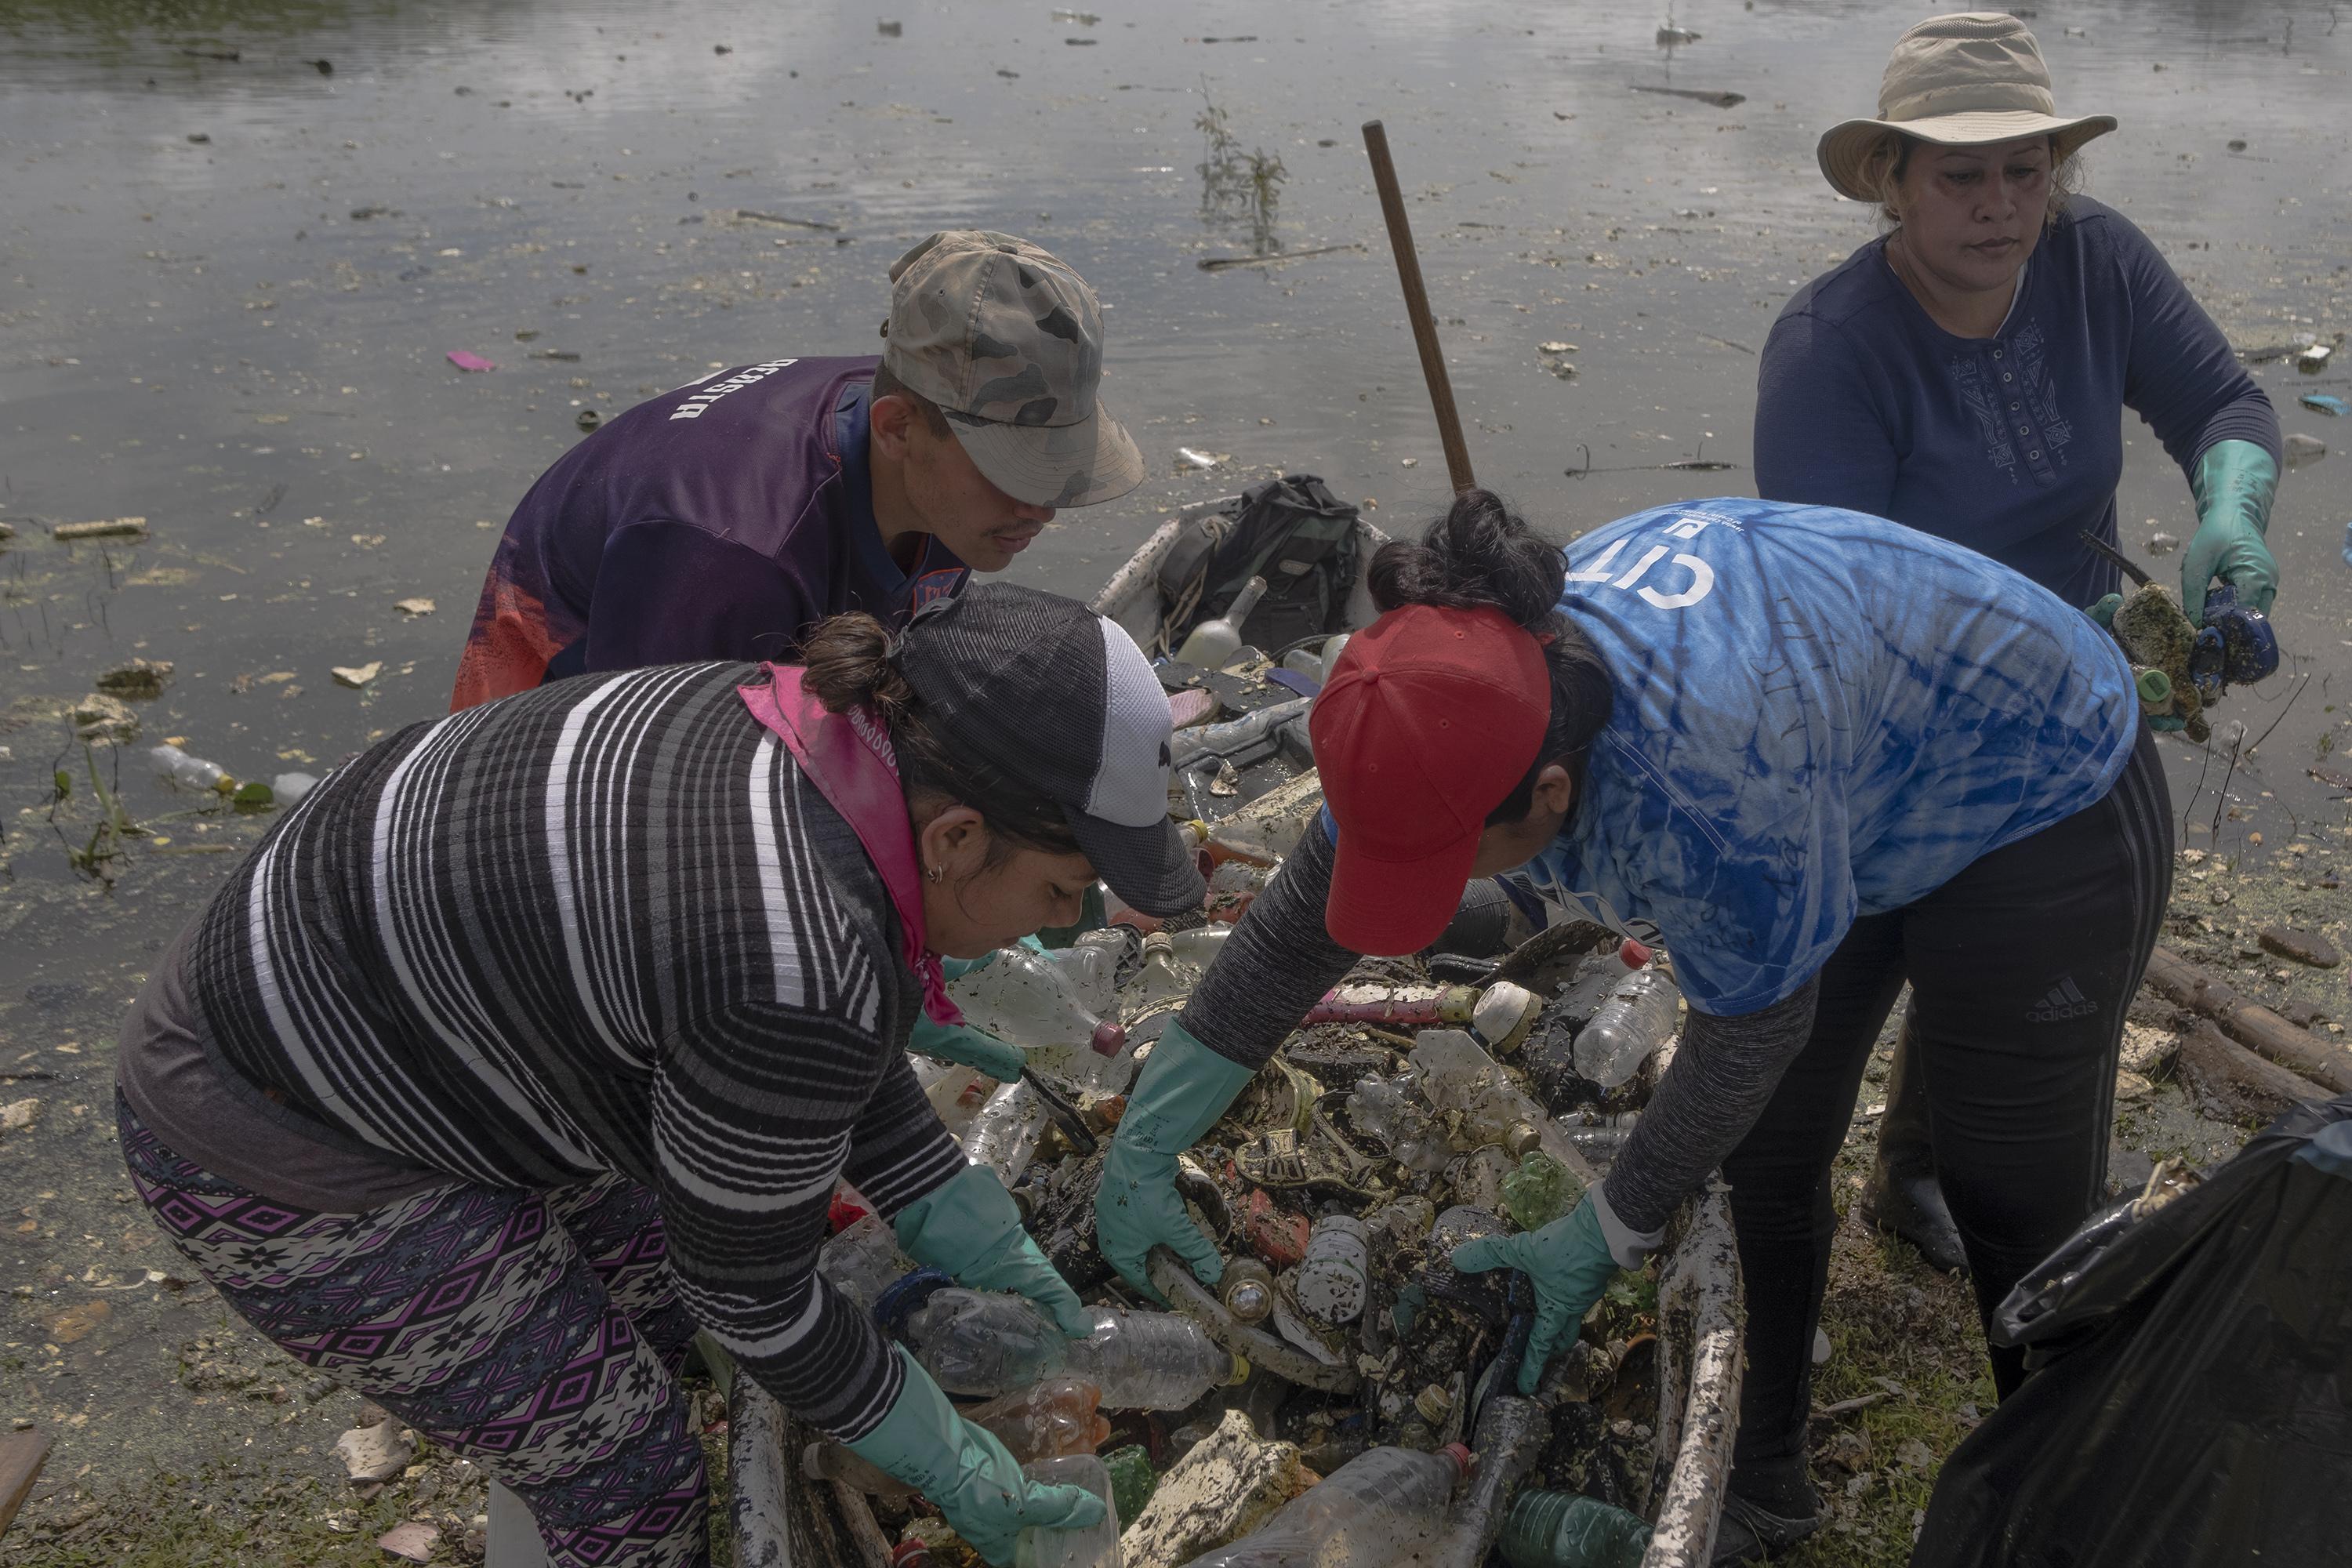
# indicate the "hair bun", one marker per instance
pixel 1479 555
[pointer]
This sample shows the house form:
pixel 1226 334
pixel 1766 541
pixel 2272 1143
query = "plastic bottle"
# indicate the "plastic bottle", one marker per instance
pixel 190 773
pixel 1390 1109
pixel 1505 1014
pixel 1213 642
pixel 1091 966
pixel 1457 1075
pixel 1370 1511
pixel 987 1344
pixel 1160 981
pixel 1200 946
pixel 864 1260
pixel 1025 998
pixel 1566 1530
pixel 1060 1416
pixel 1003 1136
pixel 1095 1547
pixel 1638 1016
pixel 956 1092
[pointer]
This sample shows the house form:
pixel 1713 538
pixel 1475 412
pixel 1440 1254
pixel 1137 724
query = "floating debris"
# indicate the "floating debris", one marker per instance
pixel 107 528
pixel 356 675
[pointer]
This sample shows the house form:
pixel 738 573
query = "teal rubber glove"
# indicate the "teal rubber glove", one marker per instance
pixel 968 1474
pixel 2104 612
pixel 1183 1088
pixel 1569 1262
pixel 971 1048
pixel 970 1227
pixel 2234 483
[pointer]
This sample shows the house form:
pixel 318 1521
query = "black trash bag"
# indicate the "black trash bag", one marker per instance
pixel 2192 1397
pixel 1292 532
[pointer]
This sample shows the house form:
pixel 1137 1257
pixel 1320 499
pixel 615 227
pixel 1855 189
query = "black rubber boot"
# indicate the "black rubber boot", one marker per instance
pixel 1901 1198
pixel 1755 1526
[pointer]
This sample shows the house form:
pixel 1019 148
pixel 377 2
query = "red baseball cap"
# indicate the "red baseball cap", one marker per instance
pixel 1430 718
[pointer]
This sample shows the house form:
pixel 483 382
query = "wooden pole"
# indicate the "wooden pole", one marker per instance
pixel 1416 308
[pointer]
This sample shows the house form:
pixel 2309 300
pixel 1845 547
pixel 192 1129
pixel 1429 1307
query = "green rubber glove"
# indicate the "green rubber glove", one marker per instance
pixel 970 1227
pixel 971 1048
pixel 2233 484
pixel 1569 1262
pixel 2104 612
pixel 1183 1088
pixel 968 1474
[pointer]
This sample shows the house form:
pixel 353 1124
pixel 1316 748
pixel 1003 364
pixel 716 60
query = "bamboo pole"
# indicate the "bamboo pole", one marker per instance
pixel 1416 308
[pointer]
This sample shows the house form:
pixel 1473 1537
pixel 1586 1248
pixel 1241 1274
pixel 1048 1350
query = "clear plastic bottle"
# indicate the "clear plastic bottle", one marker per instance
pixel 1094 1547
pixel 190 773
pixel 1566 1530
pixel 1060 1416
pixel 1247 1289
pixel 987 1344
pixel 1161 981
pixel 1370 1511
pixel 1390 1109
pixel 1003 1136
pixel 956 1092
pixel 1637 1018
pixel 864 1260
pixel 1026 999
pixel 1091 966
pixel 1200 946
pixel 1213 642
pixel 1457 1075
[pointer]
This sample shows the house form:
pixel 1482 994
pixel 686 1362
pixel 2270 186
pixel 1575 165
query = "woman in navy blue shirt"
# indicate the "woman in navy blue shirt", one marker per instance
pixel 1966 373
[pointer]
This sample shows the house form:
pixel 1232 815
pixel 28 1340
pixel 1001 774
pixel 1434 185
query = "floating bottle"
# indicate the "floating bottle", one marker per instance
pixel 1060 1416
pixel 1213 642
pixel 1026 999
pixel 1370 1511
pixel 1097 1546
pixel 1637 1018
pixel 986 1344
pixel 864 1260
pixel 1566 1530
pixel 190 773
pixel 1003 1136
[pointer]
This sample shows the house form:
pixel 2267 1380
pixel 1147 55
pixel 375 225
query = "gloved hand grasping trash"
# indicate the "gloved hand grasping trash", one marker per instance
pixel 1569 1262
pixel 2234 483
pixel 970 1227
pixel 970 1477
pixel 1183 1088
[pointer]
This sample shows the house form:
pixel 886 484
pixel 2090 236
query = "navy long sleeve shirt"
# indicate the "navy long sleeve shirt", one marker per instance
pixel 2011 445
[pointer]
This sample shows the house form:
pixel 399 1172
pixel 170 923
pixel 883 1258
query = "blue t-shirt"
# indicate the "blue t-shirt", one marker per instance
pixel 1817 715
pixel 2011 445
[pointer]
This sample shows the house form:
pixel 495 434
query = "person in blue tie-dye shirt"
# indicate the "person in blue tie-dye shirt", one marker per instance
pixel 1815 754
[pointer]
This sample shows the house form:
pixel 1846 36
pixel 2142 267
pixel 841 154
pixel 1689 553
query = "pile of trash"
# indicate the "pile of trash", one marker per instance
pixel 1342 1383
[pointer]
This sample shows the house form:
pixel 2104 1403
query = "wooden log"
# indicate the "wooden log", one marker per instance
pixel 2219 1068
pixel 22 1454
pixel 2251 1023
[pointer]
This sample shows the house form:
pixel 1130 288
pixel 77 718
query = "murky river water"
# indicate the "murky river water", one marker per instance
pixel 239 238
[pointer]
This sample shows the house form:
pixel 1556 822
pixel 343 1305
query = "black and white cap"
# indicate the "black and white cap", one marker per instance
pixel 1063 700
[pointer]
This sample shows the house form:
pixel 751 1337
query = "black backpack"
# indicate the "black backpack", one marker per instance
pixel 1292 532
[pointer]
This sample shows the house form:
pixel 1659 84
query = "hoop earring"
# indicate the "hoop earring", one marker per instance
pixel 934 873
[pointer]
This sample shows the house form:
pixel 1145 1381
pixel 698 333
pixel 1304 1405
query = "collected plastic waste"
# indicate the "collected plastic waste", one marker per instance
pixel 1370 1511
pixel 1240 742
pixel 864 1260
pixel 1211 643
pixel 989 1343
pixel 1336 1274
pixel 1004 1135
pixel 1028 999
pixel 1094 1547
pixel 1060 1416
pixel 1638 1015
pixel 1564 1530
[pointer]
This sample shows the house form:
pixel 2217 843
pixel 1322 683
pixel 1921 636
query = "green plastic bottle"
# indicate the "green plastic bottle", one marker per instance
pixel 1131 1479
pixel 1566 1530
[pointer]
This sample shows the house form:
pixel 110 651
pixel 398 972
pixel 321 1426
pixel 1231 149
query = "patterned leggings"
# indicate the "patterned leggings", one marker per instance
pixel 535 1333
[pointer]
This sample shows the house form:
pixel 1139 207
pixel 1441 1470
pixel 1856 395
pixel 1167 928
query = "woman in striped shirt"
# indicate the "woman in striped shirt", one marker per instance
pixel 539 1036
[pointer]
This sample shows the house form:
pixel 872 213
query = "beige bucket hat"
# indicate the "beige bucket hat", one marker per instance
pixel 1008 340
pixel 1962 81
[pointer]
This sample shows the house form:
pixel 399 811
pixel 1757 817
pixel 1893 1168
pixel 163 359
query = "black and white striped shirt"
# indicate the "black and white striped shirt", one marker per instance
pixel 603 925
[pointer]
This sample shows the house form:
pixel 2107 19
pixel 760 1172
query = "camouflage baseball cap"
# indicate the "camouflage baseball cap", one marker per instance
pixel 1008 341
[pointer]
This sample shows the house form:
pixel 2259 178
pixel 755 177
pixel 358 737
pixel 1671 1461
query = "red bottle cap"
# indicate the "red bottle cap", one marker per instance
pixel 1460 1454
pixel 910 1554
pixel 1109 1040
pixel 1632 953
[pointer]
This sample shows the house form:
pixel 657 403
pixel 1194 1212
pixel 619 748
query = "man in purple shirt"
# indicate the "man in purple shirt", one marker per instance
pixel 723 519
